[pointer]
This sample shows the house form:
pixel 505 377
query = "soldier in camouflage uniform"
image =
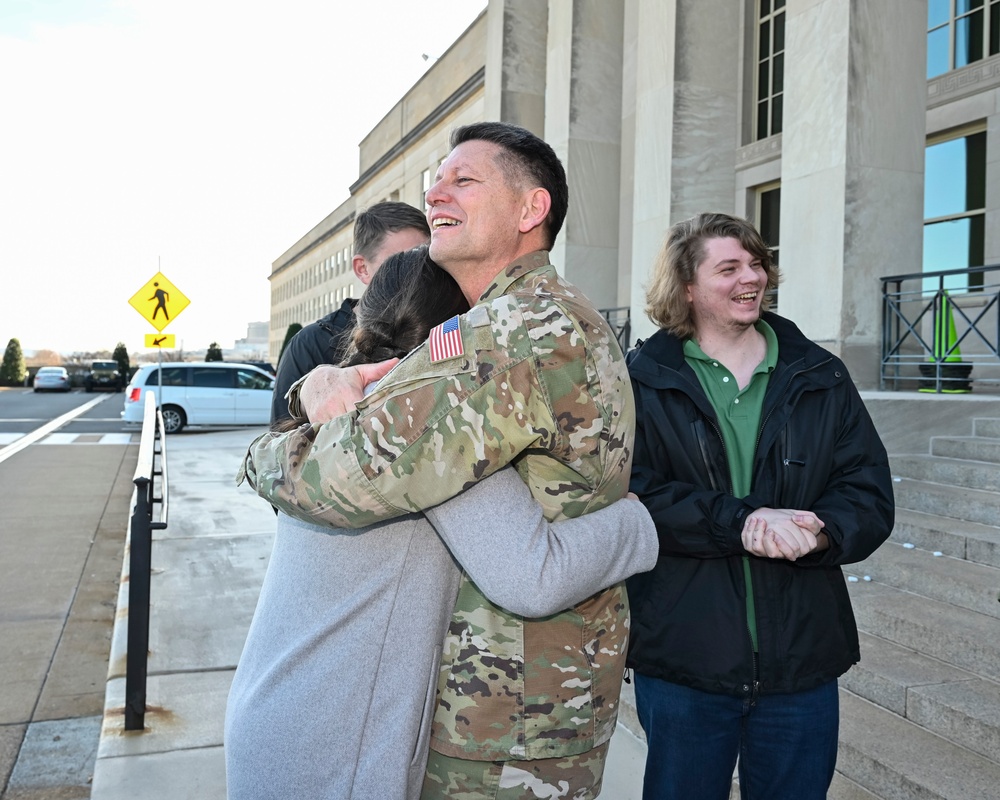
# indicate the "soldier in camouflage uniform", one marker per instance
pixel 531 375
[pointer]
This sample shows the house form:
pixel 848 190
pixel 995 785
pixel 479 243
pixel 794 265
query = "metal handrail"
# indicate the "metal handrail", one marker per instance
pixel 620 320
pixel 918 329
pixel 150 473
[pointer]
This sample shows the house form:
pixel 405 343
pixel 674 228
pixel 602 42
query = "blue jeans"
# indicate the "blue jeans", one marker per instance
pixel 786 743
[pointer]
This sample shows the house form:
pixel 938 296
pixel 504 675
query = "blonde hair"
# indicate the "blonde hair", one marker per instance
pixel 677 263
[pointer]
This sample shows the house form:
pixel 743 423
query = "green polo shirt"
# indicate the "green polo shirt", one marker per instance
pixel 738 413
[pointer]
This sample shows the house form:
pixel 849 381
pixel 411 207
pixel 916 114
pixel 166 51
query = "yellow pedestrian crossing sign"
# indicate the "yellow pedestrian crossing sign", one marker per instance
pixel 159 301
pixel 165 341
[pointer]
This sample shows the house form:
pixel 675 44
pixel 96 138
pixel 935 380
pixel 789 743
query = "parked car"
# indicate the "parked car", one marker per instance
pixel 201 393
pixel 104 375
pixel 267 366
pixel 52 379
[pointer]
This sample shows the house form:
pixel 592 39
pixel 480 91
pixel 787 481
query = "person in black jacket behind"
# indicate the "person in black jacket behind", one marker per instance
pixel 757 460
pixel 383 230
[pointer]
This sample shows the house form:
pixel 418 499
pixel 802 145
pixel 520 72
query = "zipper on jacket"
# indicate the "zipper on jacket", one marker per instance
pixel 750 605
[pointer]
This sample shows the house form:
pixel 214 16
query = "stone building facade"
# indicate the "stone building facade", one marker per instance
pixel 863 137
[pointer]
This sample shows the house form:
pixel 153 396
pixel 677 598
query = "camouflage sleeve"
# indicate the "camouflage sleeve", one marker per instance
pixel 426 432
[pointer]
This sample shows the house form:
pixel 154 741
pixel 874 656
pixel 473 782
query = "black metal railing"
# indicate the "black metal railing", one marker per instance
pixel 937 326
pixel 150 475
pixel 621 323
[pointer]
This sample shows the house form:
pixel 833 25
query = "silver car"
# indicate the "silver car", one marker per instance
pixel 52 379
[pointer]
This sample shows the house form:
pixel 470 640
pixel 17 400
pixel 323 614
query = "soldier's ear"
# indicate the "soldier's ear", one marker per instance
pixel 535 209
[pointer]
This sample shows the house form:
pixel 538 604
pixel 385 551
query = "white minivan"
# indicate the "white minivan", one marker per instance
pixel 201 393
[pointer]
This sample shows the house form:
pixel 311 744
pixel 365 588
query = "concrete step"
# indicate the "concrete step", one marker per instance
pixel 944 578
pixel 951 702
pixel 974 505
pixel 955 635
pixel 987 428
pixel 899 760
pixel 952 471
pixel 964 712
pixel 974 448
pixel 843 788
pixel 888 671
pixel 972 541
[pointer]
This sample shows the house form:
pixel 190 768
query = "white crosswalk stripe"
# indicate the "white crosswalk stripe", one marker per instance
pixel 73 438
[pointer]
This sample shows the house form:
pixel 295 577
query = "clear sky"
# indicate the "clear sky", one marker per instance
pixel 198 137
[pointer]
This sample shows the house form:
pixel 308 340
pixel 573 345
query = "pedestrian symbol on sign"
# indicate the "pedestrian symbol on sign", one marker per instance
pixel 159 301
pixel 161 297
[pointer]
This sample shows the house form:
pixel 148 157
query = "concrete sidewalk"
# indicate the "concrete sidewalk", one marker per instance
pixel 207 570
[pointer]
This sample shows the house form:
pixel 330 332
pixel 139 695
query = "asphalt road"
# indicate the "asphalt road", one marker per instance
pixel 65 489
pixel 23 410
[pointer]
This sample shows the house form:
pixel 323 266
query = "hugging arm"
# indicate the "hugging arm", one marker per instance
pixel 533 567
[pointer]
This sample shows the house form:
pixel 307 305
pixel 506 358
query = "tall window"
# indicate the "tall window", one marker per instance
pixel 960 32
pixel 955 207
pixel 770 66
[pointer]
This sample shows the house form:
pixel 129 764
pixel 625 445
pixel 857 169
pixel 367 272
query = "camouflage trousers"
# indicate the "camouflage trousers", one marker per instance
pixel 568 778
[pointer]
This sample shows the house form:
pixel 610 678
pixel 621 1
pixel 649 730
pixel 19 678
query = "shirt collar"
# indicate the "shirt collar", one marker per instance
pixel 513 272
pixel 693 350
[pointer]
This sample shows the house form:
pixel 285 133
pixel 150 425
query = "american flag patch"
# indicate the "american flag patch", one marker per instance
pixel 445 341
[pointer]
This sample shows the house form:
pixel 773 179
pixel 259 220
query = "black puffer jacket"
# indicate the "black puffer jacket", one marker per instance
pixel 817 450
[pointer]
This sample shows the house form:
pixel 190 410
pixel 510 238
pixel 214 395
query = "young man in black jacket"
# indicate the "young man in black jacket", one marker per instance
pixel 379 232
pixel 762 469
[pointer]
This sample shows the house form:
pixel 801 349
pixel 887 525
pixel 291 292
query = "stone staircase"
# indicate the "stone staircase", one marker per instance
pixel 920 715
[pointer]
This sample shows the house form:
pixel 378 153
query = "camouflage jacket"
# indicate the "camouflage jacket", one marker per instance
pixel 539 382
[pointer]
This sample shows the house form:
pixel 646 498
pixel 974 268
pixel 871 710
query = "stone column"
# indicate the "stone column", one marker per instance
pixel 583 125
pixel 851 167
pixel 515 63
pixel 686 99
pixel 992 243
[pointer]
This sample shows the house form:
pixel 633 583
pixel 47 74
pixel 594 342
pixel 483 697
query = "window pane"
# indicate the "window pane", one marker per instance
pixel 937 53
pixel 962 6
pixel 765 7
pixel 945 170
pixel 778 79
pixel 946 246
pixel 975 171
pixel 954 245
pixel 763 87
pixel 762 119
pixel 764 41
pixel 779 33
pixel 994 29
pixel 779 4
pixel 770 217
pixel 938 13
pixel 776 103
pixel 248 379
pixel 968 39
pixel 171 376
pixel 212 377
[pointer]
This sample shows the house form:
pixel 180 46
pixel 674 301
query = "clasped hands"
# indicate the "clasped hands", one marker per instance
pixel 783 533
